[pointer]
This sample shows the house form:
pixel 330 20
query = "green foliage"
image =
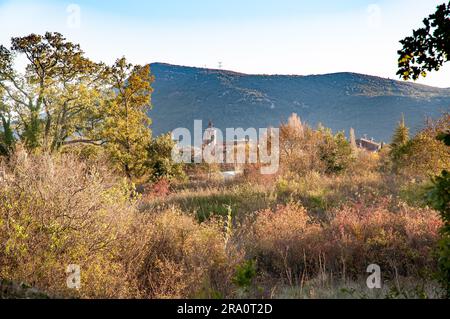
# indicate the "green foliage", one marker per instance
pixel 64 99
pixel 303 149
pixel 414 193
pixel 6 131
pixel 423 155
pixel 212 205
pixel 160 161
pixel 335 152
pixel 125 130
pixel 245 274
pixel 444 137
pixel 399 142
pixel 401 135
pixel 57 94
pixel 428 48
pixel 439 198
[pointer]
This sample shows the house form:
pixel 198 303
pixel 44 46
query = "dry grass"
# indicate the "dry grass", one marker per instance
pixel 291 245
pixel 312 235
pixel 180 258
pixel 58 211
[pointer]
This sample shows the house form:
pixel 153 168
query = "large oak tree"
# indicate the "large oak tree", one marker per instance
pixel 64 98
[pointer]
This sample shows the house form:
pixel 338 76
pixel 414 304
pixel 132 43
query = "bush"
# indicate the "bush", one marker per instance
pixel 56 211
pixel 424 155
pixel 245 275
pixel 181 258
pixel 400 240
pixel 159 189
pixel 303 149
pixel 439 197
pixel 335 152
pixel 280 239
pixel 291 245
pixel 161 163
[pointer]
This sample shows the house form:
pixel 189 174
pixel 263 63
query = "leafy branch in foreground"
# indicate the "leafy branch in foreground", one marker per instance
pixel 428 48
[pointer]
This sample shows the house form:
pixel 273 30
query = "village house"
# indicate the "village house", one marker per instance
pixel 226 147
pixel 369 145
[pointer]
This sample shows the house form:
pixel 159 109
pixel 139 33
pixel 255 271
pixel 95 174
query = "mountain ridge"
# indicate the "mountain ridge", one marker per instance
pixel 231 72
pixel 370 104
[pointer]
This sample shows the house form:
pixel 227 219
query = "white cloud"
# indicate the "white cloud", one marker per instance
pixel 374 16
pixel 74 16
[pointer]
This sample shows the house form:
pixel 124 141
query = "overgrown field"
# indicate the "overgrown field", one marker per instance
pixel 309 231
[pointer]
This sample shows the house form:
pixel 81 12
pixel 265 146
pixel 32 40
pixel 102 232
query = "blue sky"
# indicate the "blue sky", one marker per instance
pixel 221 9
pixel 251 36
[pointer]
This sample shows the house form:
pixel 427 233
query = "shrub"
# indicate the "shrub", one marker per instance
pixel 245 275
pixel 439 197
pixel 399 239
pixel 303 149
pixel 181 258
pixel 424 155
pixel 335 152
pixel 161 163
pixel 289 244
pixel 280 239
pixel 56 211
pixel 158 189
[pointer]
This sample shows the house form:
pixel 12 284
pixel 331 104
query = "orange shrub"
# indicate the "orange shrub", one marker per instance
pixel 289 244
pixel 281 239
pixel 179 258
pixel 57 211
